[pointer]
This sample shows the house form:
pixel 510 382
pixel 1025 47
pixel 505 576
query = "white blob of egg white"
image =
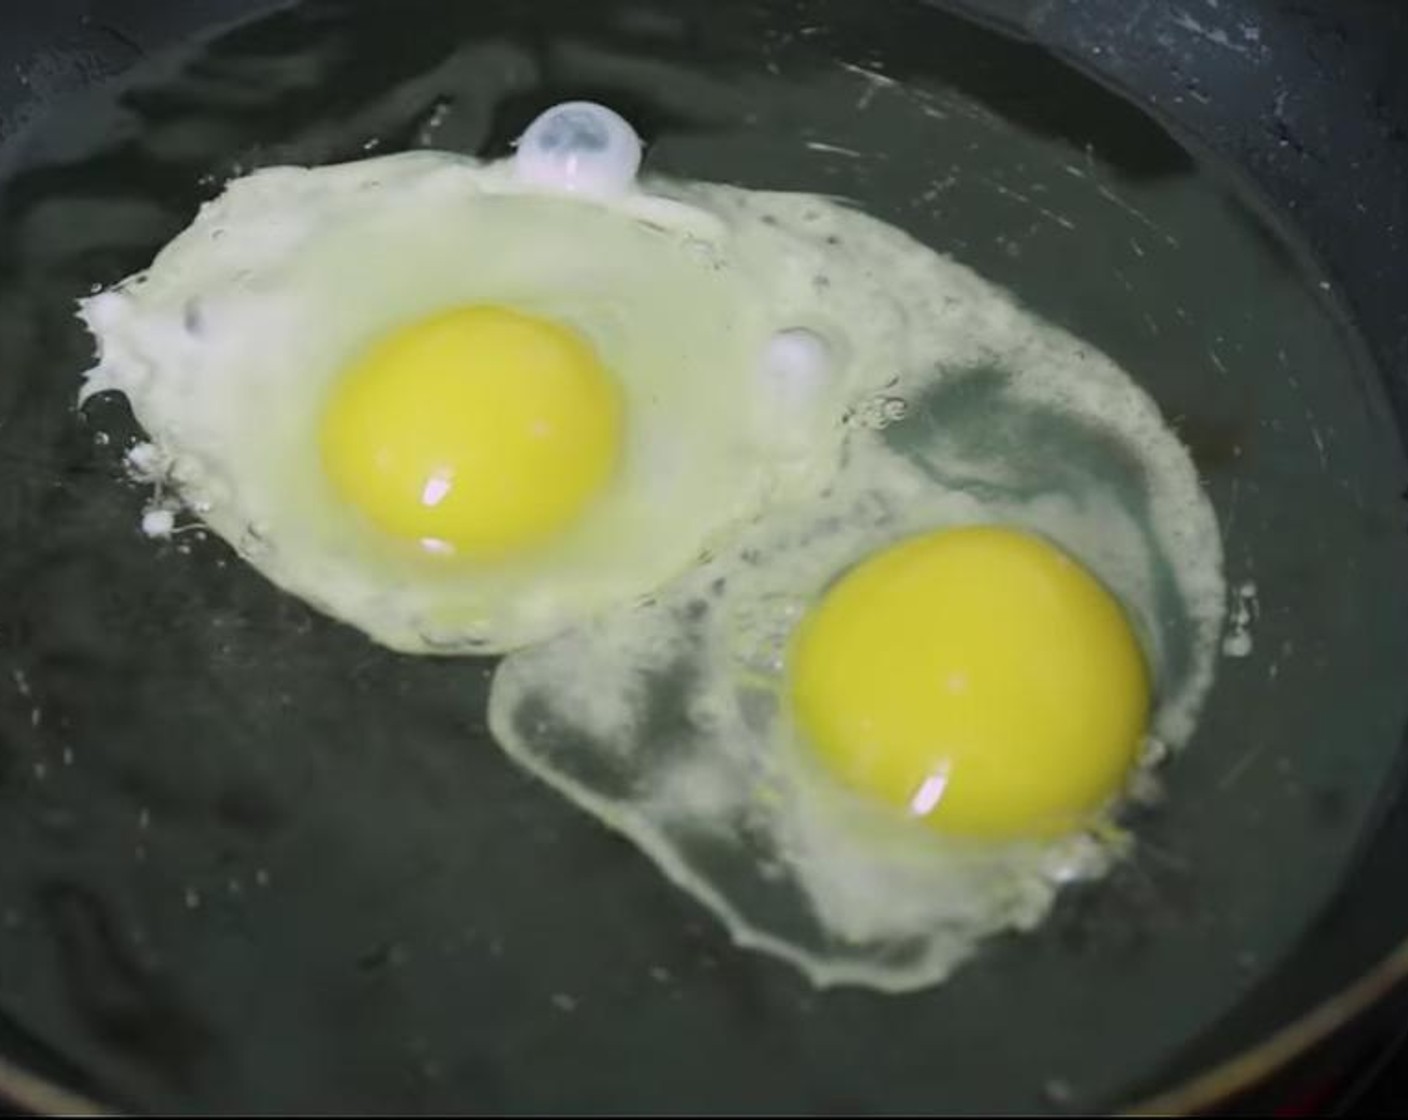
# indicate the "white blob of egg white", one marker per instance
pixel 158 523
pixel 1237 642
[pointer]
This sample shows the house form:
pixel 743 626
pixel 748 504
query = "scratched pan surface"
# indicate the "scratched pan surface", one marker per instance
pixel 249 860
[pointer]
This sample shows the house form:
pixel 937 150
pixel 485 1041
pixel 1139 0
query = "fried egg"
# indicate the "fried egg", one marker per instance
pixel 859 598
pixel 893 716
pixel 463 406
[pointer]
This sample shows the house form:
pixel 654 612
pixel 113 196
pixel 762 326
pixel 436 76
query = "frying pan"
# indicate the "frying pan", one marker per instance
pixel 250 860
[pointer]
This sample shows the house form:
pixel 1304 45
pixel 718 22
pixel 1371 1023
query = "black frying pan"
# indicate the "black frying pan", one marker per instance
pixel 248 860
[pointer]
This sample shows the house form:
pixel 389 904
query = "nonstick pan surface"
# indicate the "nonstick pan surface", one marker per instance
pixel 251 860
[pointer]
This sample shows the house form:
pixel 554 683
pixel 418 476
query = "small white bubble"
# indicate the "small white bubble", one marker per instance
pixel 579 147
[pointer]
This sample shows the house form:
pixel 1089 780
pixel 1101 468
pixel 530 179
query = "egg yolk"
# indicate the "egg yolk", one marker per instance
pixel 479 431
pixel 977 678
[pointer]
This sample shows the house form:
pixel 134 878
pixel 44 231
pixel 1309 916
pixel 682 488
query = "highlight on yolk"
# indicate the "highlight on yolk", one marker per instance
pixel 978 678
pixel 479 431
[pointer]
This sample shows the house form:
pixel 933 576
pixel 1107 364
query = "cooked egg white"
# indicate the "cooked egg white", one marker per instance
pixel 891 717
pixel 461 410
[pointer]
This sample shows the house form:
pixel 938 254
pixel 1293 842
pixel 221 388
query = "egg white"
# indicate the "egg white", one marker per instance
pixel 227 346
pixel 668 721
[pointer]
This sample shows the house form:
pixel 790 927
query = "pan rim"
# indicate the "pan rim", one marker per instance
pixel 1276 1051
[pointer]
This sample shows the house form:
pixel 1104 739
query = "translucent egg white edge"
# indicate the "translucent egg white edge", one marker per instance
pixel 665 857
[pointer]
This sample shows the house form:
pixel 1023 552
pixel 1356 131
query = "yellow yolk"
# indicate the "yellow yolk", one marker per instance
pixel 978 678
pixel 479 431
